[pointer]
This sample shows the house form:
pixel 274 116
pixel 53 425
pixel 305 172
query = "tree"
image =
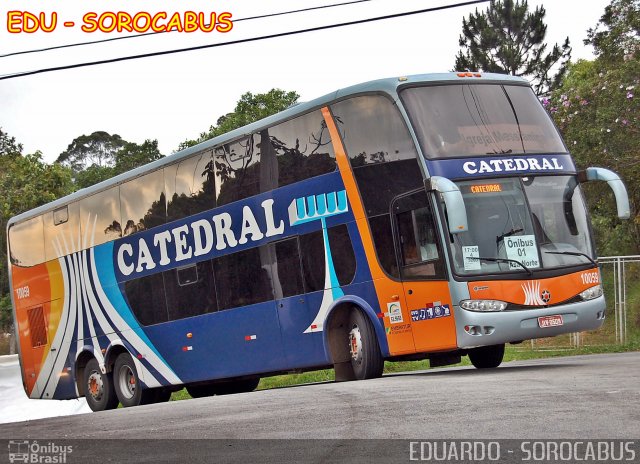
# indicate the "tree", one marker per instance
pixel 98 149
pixel 132 155
pixel 617 35
pixel 8 145
pixel 25 182
pixel 250 108
pixel 100 156
pixel 507 39
pixel 598 111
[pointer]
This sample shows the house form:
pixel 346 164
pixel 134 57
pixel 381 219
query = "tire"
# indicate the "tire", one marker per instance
pixel 98 388
pixel 487 357
pixel 127 383
pixel 366 359
pixel 236 386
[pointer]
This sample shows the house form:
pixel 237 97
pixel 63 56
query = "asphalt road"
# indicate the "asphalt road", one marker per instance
pixel 595 396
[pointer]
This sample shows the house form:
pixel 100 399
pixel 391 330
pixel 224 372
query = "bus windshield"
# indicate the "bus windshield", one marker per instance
pixel 480 119
pixel 522 224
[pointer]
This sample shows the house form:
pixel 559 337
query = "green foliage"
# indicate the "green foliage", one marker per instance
pixel 508 39
pixel 97 149
pixel 617 36
pixel 132 155
pixel 8 145
pixel 250 108
pixel 25 182
pixel 100 156
pixel 597 109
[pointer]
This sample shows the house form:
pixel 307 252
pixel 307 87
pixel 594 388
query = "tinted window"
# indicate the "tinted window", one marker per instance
pixel 344 260
pixel 419 248
pixel 243 278
pixel 312 246
pixel 384 162
pixel 190 186
pixel 466 120
pixel 383 238
pixel 313 257
pixel 190 291
pixel 26 241
pixel 372 130
pixel 100 213
pixel 146 299
pixel 237 168
pixel 303 148
pixel 287 280
pixel 142 203
pixel 62 237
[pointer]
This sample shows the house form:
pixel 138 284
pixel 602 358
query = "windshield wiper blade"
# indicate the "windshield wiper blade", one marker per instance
pixel 508 234
pixel 573 253
pixel 504 260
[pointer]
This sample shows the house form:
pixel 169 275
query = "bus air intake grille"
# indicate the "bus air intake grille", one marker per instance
pixel 37 327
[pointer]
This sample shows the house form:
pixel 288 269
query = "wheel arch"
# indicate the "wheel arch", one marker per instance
pixel 340 309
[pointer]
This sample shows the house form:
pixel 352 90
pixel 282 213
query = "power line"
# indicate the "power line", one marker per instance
pixel 144 34
pixel 240 41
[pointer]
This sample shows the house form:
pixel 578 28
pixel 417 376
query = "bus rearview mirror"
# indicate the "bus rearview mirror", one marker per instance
pixel 615 183
pixel 452 197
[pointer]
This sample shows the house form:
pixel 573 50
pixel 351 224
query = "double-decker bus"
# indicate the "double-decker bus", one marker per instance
pixel 431 216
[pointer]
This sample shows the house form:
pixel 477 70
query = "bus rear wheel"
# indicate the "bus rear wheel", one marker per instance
pixel 487 357
pixel 127 383
pixel 98 388
pixel 366 359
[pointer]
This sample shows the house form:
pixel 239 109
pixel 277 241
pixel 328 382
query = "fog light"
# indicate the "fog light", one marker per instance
pixel 483 305
pixel 591 293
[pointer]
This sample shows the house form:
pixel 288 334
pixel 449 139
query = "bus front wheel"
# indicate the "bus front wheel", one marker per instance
pixel 98 388
pixel 366 359
pixel 487 357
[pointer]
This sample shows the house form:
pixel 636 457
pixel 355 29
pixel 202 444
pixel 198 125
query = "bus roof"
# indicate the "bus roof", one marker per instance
pixel 387 85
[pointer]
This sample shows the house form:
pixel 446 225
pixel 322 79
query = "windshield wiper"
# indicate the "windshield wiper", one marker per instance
pixel 573 253
pixel 504 260
pixel 507 234
pixel 501 152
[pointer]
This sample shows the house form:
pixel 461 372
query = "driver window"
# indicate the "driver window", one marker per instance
pixel 418 244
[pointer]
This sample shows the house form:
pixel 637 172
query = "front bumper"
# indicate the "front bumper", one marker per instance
pixel 512 326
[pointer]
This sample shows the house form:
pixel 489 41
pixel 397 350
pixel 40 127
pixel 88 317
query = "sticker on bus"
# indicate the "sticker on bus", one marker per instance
pixel 430 312
pixel 550 321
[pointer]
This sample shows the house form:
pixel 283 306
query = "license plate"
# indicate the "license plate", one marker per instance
pixel 550 321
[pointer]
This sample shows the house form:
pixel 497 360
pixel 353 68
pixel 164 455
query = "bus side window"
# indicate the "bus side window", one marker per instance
pixel 242 279
pixel 313 261
pixel 286 276
pixel 237 169
pixel 142 203
pixel 191 290
pixel 62 231
pixel 146 299
pixel 190 186
pixel 303 148
pixel 100 214
pixel 26 242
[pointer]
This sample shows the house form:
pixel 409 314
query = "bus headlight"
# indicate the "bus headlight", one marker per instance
pixel 483 305
pixel 591 293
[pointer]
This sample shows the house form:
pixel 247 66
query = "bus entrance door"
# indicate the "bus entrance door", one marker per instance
pixel 423 273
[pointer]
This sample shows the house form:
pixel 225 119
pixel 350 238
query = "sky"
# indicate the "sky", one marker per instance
pixel 176 97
